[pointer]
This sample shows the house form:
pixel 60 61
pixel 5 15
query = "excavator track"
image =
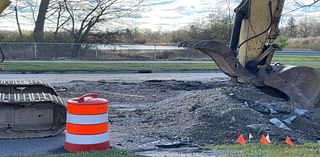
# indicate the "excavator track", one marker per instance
pixel 30 109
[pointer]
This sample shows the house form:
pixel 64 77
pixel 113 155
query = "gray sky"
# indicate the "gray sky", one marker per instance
pixel 173 14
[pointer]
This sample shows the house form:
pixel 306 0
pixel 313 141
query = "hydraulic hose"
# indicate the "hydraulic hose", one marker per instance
pixel 271 21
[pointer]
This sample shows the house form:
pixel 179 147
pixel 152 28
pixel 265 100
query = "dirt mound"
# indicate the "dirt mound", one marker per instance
pixel 219 115
pixel 196 112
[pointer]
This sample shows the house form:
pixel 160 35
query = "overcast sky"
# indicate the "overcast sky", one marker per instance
pixel 173 14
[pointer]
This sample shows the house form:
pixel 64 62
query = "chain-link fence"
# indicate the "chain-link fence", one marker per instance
pixel 65 51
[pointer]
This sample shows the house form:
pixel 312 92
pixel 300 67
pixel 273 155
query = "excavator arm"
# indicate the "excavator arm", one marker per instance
pixel 4 4
pixel 248 58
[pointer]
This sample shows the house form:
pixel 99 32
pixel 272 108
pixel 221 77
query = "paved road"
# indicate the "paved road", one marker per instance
pixel 127 77
pixel 23 147
pixel 305 53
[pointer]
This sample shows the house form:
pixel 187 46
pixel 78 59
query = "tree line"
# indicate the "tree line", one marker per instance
pixel 71 19
pixel 92 21
pixel 216 26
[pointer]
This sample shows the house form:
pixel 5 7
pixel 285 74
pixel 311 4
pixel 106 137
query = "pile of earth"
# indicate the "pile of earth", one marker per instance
pixel 221 114
pixel 197 112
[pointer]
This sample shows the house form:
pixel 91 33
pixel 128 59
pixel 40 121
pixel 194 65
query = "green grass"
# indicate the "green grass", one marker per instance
pixel 296 58
pixel 114 153
pixel 260 150
pixel 42 66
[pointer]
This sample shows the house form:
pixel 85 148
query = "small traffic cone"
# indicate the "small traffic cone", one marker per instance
pixel 250 137
pixel 264 140
pixel 268 138
pixel 288 141
pixel 241 139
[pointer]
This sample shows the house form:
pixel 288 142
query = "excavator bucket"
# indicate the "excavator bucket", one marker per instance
pixel 299 85
pixel 248 59
pixel 223 57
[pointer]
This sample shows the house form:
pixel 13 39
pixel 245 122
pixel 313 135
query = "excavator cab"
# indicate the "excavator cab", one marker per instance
pixel 248 58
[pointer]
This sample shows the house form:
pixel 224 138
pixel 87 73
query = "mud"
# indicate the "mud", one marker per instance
pixel 149 113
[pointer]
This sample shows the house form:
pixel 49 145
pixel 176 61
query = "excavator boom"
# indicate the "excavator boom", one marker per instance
pixel 4 4
pixel 248 59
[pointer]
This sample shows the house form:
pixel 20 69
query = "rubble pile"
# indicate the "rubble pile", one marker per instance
pixel 200 113
pixel 220 114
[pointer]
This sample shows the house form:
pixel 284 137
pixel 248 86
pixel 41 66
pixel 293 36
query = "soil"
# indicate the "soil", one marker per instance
pixel 146 115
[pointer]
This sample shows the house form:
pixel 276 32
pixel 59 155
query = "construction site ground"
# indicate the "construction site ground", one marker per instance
pixel 180 116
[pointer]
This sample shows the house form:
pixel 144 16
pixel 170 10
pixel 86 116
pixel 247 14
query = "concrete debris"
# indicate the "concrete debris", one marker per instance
pixel 258 128
pixel 281 107
pixel 289 118
pixel 300 112
pixel 279 124
pixel 272 108
pixel 273 111
pixel 261 108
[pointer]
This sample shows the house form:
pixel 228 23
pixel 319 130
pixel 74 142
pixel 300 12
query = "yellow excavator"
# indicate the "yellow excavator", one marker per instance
pixel 248 58
pixel 29 109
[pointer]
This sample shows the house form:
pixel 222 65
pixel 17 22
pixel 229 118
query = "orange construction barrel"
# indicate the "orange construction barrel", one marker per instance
pixel 87 127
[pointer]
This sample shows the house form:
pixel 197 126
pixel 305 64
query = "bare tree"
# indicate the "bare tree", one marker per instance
pixel 39 24
pixel 86 15
pixel 302 5
pixel 60 20
pixel 33 6
pixel 17 17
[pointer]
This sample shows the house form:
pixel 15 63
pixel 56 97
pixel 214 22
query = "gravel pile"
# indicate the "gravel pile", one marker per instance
pixel 146 113
pixel 220 114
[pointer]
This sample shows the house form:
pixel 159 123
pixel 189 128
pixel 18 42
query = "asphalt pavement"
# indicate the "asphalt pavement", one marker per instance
pixel 24 147
pixel 125 77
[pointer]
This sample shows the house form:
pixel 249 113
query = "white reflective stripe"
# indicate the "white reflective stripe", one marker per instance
pixel 87 139
pixel 87 119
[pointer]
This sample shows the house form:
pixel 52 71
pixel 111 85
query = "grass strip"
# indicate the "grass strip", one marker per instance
pixel 113 153
pixel 260 150
pixel 42 67
pixel 51 66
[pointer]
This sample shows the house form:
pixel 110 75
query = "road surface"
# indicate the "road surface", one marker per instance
pixel 124 77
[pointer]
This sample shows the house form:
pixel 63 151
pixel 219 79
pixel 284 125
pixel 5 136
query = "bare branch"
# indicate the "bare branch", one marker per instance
pixel 302 6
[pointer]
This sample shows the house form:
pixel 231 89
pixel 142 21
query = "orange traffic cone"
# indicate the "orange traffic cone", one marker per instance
pixel 288 141
pixel 241 139
pixel 264 140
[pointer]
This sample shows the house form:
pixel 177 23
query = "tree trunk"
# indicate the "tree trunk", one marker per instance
pixel 75 50
pixel 39 26
pixel 17 20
